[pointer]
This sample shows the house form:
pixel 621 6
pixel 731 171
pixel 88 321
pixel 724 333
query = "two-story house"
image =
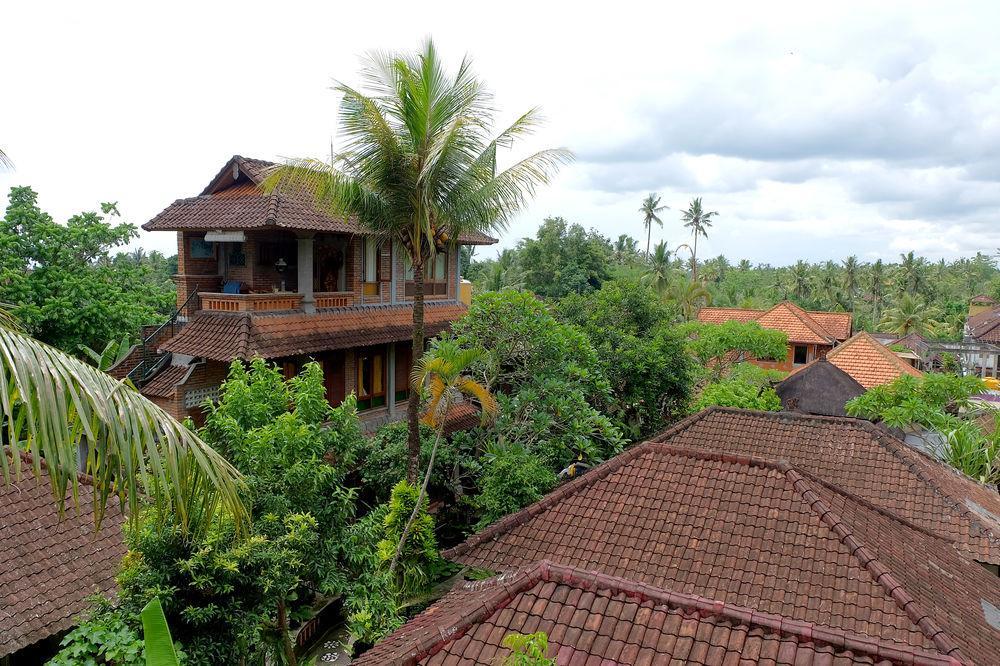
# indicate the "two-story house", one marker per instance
pixel 272 276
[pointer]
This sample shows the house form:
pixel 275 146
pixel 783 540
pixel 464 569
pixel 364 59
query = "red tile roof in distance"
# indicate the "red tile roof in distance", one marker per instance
pixel 865 461
pixel 985 326
pixel 220 336
pixel 234 200
pixel 799 325
pixel 51 565
pixel 869 361
pixel 748 532
pixel 594 618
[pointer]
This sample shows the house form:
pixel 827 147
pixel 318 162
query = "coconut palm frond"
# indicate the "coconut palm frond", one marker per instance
pixel 53 403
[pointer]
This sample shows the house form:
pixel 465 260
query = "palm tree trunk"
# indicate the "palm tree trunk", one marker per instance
pixel 423 491
pixel 413 403
pixel 649 236
pixel 694 258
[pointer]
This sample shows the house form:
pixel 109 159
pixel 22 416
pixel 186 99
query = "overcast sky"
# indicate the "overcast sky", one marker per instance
pixel 815 131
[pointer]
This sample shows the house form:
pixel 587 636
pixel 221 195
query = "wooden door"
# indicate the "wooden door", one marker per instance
pixel 334 377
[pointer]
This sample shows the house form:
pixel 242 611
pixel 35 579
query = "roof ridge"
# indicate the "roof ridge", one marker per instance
pixel 504 588
pixel 806 319
pixel 882 350
pixel 871 563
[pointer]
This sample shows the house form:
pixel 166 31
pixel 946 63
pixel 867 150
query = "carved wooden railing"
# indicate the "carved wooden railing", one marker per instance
pixel 333 299
pixel 250 302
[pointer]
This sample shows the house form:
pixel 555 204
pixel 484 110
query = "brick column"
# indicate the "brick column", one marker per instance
pixel 305 258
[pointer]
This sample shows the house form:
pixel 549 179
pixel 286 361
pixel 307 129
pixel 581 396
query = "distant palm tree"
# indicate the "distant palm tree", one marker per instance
pixel 911 315
pixel 659 270
pixel 876 287
pixel 650 210
pixel 420 168
pixel 912 273
pixel 690 297
pixel 699 221
pixel 850 280
pixel 625 249
pixel 744 266
pixel 801 279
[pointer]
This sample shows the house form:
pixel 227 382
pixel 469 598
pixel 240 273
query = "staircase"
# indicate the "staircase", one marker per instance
pixel 151 360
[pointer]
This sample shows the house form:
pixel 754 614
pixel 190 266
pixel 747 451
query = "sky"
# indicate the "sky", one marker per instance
pixel 815 132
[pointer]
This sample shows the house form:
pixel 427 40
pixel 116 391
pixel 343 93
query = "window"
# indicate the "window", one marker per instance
pixel 371 378
pixel 435 275
pixel 268 253
pixel 799 354
pixel 370 263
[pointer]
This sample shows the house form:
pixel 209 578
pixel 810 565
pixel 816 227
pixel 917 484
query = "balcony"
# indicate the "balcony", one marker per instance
pixel 272 302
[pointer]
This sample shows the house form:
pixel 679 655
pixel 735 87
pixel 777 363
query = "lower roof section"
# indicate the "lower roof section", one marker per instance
pixel 223 337
pixel 594 618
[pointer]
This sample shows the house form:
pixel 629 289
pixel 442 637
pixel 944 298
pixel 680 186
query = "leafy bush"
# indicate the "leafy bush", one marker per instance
pixel 718 347
pixel 383 459
pixel 746 387
pixel 372 600
pixel 923 401
pixel 527 649
pixel 419 561
pixel 103 637
pixel 512 479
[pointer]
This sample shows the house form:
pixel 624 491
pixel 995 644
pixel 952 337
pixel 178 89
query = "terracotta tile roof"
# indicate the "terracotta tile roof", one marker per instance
pixel 224 336
pixel 869 362
pixel 985 326
pixel 594 618
pixel 233 203
pixel 983 299
pixel 763 535
pixel 863 459
pixel 162 385
pixel 800 326
pixel 51 565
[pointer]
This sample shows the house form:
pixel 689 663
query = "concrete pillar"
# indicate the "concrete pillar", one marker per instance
pixel 305 254
pixel 391 383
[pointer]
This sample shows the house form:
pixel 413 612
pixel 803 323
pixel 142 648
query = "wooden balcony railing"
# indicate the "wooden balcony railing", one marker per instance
pixel 333 299
pixel 251 302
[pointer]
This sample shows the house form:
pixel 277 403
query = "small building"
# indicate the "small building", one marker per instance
pixel 811 334
pixel 870 362
pixel 51 563
pixel 981 303
pixel 818 388
pixel 272 276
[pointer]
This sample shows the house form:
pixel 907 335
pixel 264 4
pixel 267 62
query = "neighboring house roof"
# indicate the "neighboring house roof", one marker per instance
pixel 985 326
pixel 165 381
pixel 869 361
pixel 982 299
pixel 799 325
pixel 818 388
pixel 51 564
pixel 593 618
pixel 234 200
pixel 221 336
pixel 764 535
pixel 863 459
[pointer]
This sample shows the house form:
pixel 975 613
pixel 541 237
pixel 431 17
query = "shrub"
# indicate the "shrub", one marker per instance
pixel 746 387
pixel 383 460
pixel 419 561
pixel 512 479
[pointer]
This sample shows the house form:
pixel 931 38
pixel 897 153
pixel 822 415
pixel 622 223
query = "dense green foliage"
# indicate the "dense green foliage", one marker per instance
pixel 718 347
pixel 419 562
pixel 65 285
pixel 937 407
pixel 512 478
pixel 643 356
pixel 746 386
pixel 382 462
pixel 105 637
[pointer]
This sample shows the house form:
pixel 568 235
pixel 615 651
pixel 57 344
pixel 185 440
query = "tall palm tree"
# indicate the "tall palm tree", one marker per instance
pixel 650 210
pixel 660 269
pixel 690 296
pixel 53 405
pixel 912 273
pixel 444 370
pixel 850 278
pixel 801 279
pixel 699 221
pixel 419 169
pixel 911 315
pixel 876 287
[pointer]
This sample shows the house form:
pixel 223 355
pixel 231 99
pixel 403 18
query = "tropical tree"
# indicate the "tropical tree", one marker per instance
pixel 851 277
pixel 801 279
pixel 912 273
pixel 659 270
pixel 625 249
pixel 876 287
pixel 53 405
pixel 911 315
pixel 419 168
pixel 690 296
pixel 444 370
pixel 699 221
pixel 651 210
